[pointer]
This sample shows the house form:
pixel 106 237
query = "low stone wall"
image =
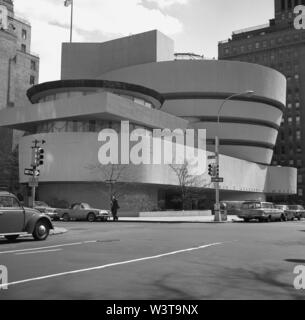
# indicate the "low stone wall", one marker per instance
pixel 176 214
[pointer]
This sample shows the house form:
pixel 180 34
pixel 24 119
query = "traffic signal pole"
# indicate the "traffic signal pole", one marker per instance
pixel 217 198
pixel 37 160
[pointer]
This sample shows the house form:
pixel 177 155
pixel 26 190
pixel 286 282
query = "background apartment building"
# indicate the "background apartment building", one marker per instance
pixel 19 70
pixel 280 46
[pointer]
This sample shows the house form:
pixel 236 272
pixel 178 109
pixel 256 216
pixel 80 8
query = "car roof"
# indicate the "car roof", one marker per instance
pixel 5 193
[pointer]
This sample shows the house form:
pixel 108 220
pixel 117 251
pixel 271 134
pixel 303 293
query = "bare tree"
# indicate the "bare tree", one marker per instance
pixel 112 175
pixel 187 181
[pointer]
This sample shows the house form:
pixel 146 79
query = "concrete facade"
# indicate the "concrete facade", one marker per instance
pixel 151 94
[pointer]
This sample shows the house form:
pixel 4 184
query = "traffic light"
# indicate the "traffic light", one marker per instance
pixel 40 156
pixel 211 170
pixel 217 170
pixel 37 157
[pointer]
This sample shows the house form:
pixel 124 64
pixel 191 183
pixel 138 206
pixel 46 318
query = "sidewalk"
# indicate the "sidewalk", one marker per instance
pixel 196 219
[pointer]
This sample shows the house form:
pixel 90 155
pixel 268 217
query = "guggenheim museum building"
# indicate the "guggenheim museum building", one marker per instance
pixel 140 79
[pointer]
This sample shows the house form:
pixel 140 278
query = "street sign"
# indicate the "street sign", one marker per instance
pixel 217 179
pixel 33 182
pixel 28 172
pixel 211 157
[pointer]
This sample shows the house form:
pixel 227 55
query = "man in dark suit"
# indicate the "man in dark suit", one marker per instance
pixel 114 208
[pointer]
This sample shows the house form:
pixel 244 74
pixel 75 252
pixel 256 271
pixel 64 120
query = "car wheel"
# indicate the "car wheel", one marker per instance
pixel 66 217
pixel 11 238
pixel 269 219
pixel 283 218
pixel 91 217
pixel 246 220
pixel 41 231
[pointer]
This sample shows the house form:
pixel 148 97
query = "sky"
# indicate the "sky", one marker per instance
pixel 195 25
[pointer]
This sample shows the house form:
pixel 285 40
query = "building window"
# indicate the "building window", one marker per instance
pixel 298 135
pixel 297 105
pixel 92 125
pixel 23 34
pixel 297 76
pixel 257 45
pixel 298 120
pixel 300 192
pixel 290 120
pixel 299 149
pixel 300 178
pixel 299 163
pixel 33 65
pixel 32 80
pixel 23 48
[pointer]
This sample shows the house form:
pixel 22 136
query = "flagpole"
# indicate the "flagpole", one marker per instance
pixel 71 23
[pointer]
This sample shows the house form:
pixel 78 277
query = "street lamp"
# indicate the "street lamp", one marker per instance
pixel 217 202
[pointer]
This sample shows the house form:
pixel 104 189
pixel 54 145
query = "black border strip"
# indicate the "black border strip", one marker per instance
pixel 245 143
pixel 91 83
pixel 254 122
pixel 222 96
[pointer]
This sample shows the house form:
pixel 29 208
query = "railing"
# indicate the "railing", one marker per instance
pixel 188 56
pixel 262 26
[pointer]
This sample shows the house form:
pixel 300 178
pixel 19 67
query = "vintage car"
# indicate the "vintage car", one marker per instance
pixel 46 209
pixel 297 211
pixel 261 211
pixel 15 220
pixel 83 211
pixel 288 213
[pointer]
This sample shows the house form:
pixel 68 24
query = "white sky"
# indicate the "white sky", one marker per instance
pixel 195 25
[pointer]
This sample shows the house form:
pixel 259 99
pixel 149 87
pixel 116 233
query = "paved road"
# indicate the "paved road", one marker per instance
pixel 158 261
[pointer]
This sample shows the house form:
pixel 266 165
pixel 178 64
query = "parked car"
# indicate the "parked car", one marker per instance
pixel 83 211
pixel 261 211
pixel 297 211
pixel 288 213
pixel 15 220
pixel 46 209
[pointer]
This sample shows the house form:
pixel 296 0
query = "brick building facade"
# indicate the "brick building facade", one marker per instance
pixel 19 70
pixel 280 46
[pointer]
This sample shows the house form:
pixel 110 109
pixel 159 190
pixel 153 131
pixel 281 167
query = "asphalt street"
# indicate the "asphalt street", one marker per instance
pixel 157 261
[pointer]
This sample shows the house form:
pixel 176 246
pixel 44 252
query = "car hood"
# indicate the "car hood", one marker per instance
pixel 31 211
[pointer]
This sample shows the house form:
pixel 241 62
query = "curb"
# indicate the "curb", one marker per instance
pixel 57 231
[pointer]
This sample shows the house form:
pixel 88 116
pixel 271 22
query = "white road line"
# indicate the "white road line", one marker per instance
pixel 42 251
pixel 49 247
pixel 110 265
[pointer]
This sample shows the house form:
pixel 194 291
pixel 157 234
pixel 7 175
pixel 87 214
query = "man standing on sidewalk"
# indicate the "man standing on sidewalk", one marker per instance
pixel 114 208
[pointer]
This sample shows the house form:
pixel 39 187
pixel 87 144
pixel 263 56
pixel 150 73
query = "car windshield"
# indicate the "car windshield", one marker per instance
pixel 251 205
pixel 281 207
pixel 294 207
pixel 86 206
pixel 40 204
